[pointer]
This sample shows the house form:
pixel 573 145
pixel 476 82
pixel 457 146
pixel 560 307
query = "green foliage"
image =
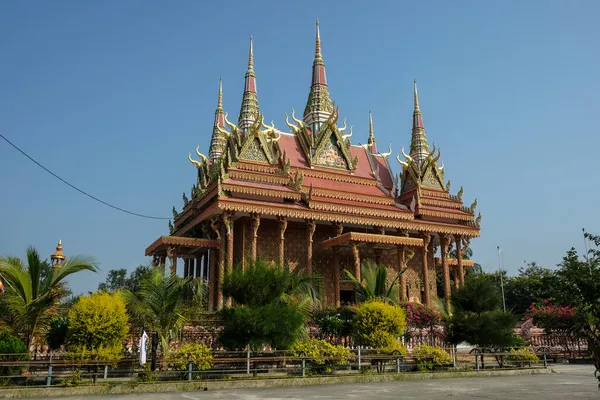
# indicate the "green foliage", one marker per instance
pixel 158 304
pixel 11 349
pixel 521 356
pixel 378 324
pixel 35 289
pixel 271 306
pixel 375 283
pixel 57 333
pixel 324 356
pixel 532 285
pixel 199 354
pixel 335 323
pixel 429 356
pixel 478 318
pixel 117 279
pixel 98 321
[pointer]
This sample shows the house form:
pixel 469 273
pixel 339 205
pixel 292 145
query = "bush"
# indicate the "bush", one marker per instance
pixel 420 316
pixel 429 356
pixel 199 354
pixel 98 324
pixel 12 349
pixel 378 324
pixel 336 323
pixel 325 356
pixel 57 334
pixel 521 357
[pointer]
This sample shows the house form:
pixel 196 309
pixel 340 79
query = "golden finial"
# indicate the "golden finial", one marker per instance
pixel 318 48
pixel 58 258
pixel 251 57
pixel 220 101
pixel 371 131
pixel 416 96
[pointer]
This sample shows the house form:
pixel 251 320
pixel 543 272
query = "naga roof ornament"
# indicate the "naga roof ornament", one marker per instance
pixel 249 110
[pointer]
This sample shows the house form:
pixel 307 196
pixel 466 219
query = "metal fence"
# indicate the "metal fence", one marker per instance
pixel 56 371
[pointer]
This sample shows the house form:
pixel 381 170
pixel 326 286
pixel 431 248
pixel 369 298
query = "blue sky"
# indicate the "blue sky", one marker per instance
pixel 112 96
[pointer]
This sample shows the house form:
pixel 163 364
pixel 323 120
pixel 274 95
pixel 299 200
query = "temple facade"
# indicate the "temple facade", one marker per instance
pixel 312 200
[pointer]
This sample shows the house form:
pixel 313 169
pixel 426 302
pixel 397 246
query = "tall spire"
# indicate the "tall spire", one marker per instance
pixel 218 141
pixel 419 148
pixel 319 105
pixel 371 141
pixel 249 111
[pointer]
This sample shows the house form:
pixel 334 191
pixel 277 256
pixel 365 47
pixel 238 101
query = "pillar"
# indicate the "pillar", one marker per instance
pixel 282 227
pixel 172 259
pixel 402 272
pixel 228 224
pixel 220 272
pixel 163 260
pixel 426 294
pixel 445 244
pixel 186 266
pixel 356 256
pixel 205 264
pixel 155 260
pixel 461 271
pixel 198 272
pixel 456 278
pixel 336 275
pixel 311 226
pixel 212 285
pixel 255 226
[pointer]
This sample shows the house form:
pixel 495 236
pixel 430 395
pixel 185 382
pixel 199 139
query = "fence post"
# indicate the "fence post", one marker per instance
pixel 49 378
pixel 189 370
pixel 477 359
pixel 398 363
pixel 545 360
pixel 358 358
pixel 106 371
pixel 304 366
pixel 248 362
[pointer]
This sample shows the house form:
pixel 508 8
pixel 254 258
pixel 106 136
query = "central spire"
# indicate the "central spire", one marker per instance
pixel 319 105
pixel 371 140
pixel 218 142
pixel 249 110
pixel 419 148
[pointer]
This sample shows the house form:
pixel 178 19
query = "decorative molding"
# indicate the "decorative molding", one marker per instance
pixel 358 237
pixel 164 243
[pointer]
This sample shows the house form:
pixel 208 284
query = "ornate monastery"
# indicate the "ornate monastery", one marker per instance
pixel 312 200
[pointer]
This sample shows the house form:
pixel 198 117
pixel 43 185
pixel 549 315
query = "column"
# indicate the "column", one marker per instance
pixel 205 266
pixel 220 271
pixel 163 260
pixel 402 271
pixel 282 227
pixel 356 256
pixel 445 244
pixel 173 260
pixel 186 266
pixel 426 241
pixel 212 281
pixel 228 223
pixel 336 275
pixel 198 272
pixel 311 226
pixel 255 225
pixel 456 278
pixel 461 271
pixel 155 260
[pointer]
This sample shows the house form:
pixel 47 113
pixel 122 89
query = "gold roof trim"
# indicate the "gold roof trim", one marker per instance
pixel 256 166
pixel 441 203
pixel 441 214
pixel 336 194
pixel 371 238
pixel 249 176
pixel 368 211
pixel 178 241
pixel 453 262
pixel 332 176
pixel 283 194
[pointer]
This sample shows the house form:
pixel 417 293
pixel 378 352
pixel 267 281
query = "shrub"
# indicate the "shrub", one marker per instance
pixel 378 324
pixel 521 356
pixel 337 323
pixel 429 356
pixel 199 354
pixel 12 349
pixel 324 356
pixel 57 334
pixel 551 317
pixel 98 324
pixel 420 316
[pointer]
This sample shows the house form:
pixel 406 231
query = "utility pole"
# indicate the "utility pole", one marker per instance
pixel 501 279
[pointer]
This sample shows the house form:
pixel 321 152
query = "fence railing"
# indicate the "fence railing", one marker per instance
pixel 249 365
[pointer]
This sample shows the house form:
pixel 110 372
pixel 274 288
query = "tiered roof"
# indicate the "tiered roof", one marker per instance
pixel 315 172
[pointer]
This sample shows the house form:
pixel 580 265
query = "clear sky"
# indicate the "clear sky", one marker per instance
pixel 112 95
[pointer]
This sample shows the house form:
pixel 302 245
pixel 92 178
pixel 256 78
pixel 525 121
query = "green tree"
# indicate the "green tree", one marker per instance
pixel 477 315
pixel 117 279
pixel 532 285
pixel 271 306
pixel 579 286
pixel 159 304
pixel 374 283
pixel 34 290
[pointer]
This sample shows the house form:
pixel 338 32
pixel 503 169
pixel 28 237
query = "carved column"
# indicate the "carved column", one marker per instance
pixel 162 260
pixel 282 227
pixel 445 243
pixel 155 260
pixel 402 272
pixel 255 226
pixel 456 278
pixel 426 241
pixel 311 226
pixel 212 281
pixel 356 256
pixel 228 224
pixel 339 228
pixel 459 251
pixel 205 266
pixel 198 273
pixel 173 259
pixel 336 275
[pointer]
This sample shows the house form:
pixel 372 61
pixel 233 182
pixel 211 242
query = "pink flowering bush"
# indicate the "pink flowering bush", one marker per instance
pixel 552 317
pixel 420 316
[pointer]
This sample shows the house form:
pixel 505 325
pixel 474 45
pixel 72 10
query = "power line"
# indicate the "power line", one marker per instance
pixel 76 188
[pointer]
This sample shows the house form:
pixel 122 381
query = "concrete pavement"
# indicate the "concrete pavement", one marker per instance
pixel 570 381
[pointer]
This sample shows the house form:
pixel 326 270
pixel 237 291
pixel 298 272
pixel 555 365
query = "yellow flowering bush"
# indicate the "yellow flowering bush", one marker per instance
pixel 323 356
pixel 429 356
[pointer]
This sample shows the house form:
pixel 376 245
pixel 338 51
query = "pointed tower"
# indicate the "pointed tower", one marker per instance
pixel 218 141
pixel 419 148
pixel 371 140
pixel 249 111
pixel 319 105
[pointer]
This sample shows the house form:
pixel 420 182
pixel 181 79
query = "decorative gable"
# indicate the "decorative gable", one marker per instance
pixel 331 155
pixel 254 151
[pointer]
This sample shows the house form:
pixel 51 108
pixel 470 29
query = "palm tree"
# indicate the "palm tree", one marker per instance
pixel 34 290
pixel 374 283
pixel 159 303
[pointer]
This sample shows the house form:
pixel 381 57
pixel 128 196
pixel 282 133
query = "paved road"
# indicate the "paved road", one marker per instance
pixel 572 381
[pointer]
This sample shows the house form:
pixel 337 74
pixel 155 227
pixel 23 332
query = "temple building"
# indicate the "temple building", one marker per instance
pixel 312 200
